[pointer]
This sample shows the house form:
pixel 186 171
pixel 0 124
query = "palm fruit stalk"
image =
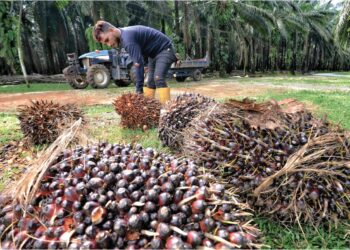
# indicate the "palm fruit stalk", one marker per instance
pixel 176 116
pixel 43 121
pixel 121 196
pixel 313 185
pixel 137 111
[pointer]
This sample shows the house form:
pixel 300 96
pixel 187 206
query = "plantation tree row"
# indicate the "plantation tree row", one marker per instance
pixel 251 35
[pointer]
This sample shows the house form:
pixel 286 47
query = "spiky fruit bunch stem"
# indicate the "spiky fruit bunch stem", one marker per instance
pixel 42 121
pixel 137 111
pixel 177 115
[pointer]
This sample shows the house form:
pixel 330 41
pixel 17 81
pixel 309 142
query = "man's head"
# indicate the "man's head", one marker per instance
pixel 106 33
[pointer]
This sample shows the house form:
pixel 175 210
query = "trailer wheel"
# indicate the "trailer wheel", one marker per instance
pixel 197 75
pixel 78 83
pixel 181 78
pixel 98 76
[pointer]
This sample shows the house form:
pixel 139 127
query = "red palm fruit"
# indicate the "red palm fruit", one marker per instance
pixel 221 246
pixel 194 238
pixel 174 242
pixel 236 238
pixel 163 230
pixel 249 237
pixel 198 206
pixel 20 237
pixel 9 218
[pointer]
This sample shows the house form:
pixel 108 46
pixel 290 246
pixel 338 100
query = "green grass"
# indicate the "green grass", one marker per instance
pixel 335 105
pixel 278 236
pixel 9 128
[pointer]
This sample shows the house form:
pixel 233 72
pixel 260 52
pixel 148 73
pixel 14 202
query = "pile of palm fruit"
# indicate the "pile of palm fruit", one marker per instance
pixel 137 111
pixel 177 114
pixel 122 196
pixel 246 143
pixel 43 121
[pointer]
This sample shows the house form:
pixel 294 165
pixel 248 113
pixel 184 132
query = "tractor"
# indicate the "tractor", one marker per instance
pixel 98 68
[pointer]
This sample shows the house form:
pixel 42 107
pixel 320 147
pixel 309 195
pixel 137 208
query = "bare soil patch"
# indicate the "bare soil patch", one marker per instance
pixel 212 88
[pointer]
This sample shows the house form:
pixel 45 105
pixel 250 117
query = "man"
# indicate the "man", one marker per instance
pixel 141 41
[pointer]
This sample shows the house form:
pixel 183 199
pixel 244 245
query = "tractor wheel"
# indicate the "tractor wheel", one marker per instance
pixel 181 78
pixel 98 76
pixel 75 80
pixel 132 74
pixel 122 83
pixel 78 83
pixel 197 75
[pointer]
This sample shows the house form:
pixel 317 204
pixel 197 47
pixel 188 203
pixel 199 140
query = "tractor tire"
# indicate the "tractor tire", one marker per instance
pixel 181 78
pixel 132 74
pixel 74 79
pixel 98 76
pixel 122 83
pixel 78 83
pixel 197 75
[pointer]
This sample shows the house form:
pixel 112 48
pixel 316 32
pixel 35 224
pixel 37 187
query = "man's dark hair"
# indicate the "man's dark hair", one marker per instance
pixel 100 27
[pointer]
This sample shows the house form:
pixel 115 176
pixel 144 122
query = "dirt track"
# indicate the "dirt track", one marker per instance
pixel 217 89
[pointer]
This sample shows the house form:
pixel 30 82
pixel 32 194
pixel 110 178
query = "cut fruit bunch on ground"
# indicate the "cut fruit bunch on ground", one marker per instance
pixel 246 143
pixel 137 111
pixel 120 196
pixel 43 121
pixel 177 114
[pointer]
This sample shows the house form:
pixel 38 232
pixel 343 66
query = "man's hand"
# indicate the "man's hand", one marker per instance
pixel 137 65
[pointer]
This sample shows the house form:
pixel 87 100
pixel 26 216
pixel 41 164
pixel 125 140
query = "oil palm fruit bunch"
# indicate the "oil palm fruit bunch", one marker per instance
pixel 176 116
pixel 42 121
pixel 137 111
pixel 126 197
pixel 224 140
pixel 314 184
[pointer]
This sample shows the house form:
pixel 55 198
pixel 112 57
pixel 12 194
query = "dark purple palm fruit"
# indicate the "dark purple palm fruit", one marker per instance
pixel 128 175
pixel 164 199
pixel 164 214
pixel 135 222
pixel 136 195
pixel 168 187
pixel 120 227
pixel 121 194
pixel 150 207
pixel 178 196
pixel 157 243
pixel 186 209
pixel 89 207
pixel 88 244
pixel 103 240
pixel 95 183
pixel 74 246
pixel 163 231
pixel 207 225
pixel 80 229
pixel 223 233
pixel 109 178
pixel 91 231
pixel 152 195
pixel 124 205
pixel 174 242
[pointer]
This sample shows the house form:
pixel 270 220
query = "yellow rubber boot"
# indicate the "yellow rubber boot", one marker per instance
pixel 148 92
pixel 164 95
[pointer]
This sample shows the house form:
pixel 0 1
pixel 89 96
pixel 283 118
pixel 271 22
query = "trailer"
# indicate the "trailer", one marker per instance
pixel 189 68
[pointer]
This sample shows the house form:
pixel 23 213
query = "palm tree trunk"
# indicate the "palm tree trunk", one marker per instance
pixel 185 29
pixel 177 19
pixel 19 45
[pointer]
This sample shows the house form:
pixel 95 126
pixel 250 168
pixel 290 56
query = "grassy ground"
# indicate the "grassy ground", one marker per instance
pixel 104 125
